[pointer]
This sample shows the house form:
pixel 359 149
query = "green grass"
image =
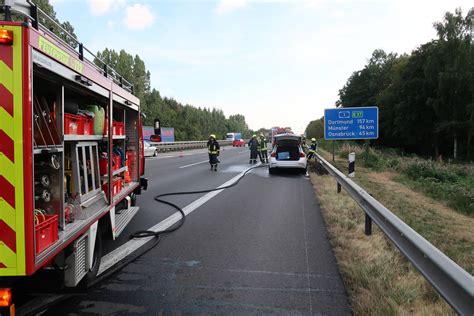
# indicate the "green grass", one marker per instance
pixel 450 183
pixel 378 278
pixel 428 219
pixel 453 184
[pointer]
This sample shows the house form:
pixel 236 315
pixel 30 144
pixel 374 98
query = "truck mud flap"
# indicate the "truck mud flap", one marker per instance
pixel 143 186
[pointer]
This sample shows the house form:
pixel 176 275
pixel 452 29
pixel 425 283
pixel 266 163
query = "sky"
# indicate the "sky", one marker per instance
pixel 279 63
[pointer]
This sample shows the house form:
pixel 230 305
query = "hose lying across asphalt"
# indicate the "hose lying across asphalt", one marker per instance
pixel 176 226
pixel 55 299
pixel 148 233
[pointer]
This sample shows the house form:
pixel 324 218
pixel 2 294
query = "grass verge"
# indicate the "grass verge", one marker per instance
pixel 379 279
pixel 450 183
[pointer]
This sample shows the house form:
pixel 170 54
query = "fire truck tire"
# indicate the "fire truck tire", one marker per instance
pixel 97 257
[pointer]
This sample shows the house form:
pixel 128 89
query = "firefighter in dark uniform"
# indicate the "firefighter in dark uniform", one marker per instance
pixel 312 148
pixel 263 149
pixel 213 149
pixel 253 146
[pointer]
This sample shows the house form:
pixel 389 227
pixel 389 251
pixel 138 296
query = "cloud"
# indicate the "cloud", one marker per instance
pixel 226 6
pixel 138 17
pixel 101 7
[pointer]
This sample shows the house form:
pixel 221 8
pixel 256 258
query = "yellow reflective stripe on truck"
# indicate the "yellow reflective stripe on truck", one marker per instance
pixel 12 226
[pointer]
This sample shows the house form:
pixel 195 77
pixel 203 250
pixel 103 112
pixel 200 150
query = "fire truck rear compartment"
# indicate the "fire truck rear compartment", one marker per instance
pixel 71 187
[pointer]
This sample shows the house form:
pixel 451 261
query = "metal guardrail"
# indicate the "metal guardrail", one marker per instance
pixel 452 282
pixel 163 147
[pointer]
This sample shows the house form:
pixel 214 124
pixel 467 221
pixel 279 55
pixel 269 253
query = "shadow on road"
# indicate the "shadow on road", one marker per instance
pixel 288 173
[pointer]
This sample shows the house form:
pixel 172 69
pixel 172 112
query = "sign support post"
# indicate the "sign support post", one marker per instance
pixel 333 145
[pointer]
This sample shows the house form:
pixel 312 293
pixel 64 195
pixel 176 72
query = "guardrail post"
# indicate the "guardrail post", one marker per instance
pixel 368 225
pixel 338 187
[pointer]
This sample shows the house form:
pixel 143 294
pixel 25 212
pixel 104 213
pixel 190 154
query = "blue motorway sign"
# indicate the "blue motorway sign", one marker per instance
pixel 351 123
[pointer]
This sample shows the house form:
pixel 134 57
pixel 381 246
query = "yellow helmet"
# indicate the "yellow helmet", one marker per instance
pixel 212 136
pixel 313 139
pixel 254 135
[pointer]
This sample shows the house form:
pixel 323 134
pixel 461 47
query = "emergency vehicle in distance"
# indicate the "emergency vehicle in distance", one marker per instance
pixel 71 153
pixel 236 139
pixel 279 130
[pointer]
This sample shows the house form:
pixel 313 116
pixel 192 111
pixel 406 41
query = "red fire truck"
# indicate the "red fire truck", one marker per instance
pixel 71 152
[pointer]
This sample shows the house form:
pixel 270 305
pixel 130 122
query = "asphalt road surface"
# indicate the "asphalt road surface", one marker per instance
pixel 258 248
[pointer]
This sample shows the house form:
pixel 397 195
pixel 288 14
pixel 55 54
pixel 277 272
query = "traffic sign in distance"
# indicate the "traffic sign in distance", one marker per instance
pixel 351 123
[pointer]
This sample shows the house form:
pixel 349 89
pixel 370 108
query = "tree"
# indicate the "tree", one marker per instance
pixel 364 86
pixel 69 36
pixel 315 129
pixel 455 62
pixel 425 98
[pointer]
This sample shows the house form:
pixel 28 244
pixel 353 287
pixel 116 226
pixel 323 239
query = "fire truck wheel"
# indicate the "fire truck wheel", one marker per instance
pixel 97 257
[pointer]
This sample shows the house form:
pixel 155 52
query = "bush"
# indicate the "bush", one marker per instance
pixel 371 159
pixel 451 183
pixel 456 195
pixel 394 164
pixel 346 149
pixel 429 169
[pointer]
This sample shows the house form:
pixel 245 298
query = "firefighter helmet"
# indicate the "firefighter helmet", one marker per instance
pixel 212 136
pixel 313 139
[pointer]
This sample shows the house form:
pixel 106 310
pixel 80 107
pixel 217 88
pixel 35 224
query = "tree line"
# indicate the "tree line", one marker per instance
pixel 425 98
pixel 189 122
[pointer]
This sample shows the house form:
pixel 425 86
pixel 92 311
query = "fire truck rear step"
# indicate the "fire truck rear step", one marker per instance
pixel 123 217
pixel 77 262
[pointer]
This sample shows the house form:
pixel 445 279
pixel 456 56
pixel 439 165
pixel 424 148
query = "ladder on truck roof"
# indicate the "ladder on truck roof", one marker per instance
pixel 31 11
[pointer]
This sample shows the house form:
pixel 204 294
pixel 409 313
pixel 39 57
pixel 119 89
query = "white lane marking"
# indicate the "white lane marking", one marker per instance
pixel 193 164
pixel 306 251
pixel 245 151
pixel 130 246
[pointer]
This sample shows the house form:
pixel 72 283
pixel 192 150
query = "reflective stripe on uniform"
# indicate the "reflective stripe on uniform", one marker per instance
pixel 212 149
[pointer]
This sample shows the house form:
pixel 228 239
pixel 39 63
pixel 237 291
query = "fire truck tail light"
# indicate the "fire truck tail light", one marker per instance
pixel 5 297
pixel 6 37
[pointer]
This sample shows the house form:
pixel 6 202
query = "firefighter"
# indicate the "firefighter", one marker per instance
pixel 253 146
pixel 312 148
pixel 263 149
pixel 213 149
